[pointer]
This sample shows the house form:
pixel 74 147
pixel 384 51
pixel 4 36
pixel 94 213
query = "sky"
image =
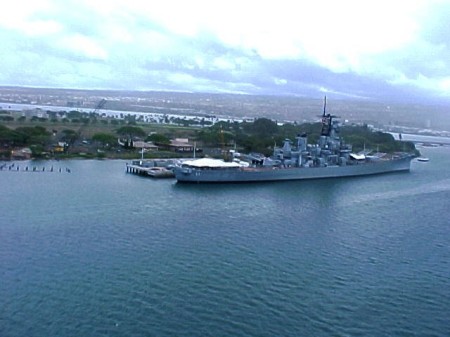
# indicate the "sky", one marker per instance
pixel 376 50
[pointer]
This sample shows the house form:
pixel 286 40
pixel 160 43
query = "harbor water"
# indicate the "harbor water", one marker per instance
pixel 90 250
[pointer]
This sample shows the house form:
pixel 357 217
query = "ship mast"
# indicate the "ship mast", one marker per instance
pixel 326 120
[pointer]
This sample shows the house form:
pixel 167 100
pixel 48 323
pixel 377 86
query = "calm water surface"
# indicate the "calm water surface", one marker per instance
pixel 98 252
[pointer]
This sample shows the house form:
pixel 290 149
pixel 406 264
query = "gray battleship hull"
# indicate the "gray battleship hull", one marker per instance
pixel 250 174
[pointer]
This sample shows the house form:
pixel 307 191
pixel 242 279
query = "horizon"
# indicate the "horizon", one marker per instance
pixel 276 107
pixel 372 100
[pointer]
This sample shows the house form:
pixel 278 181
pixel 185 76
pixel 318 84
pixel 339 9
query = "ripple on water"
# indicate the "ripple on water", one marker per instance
pixel 124 256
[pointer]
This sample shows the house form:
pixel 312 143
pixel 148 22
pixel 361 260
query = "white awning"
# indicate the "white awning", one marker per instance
pixel 357 156
pixel 208 162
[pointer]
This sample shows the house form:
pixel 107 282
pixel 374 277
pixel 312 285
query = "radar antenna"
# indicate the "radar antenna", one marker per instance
pixel 327 120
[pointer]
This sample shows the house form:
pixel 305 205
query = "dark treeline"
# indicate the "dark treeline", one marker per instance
pixel 258 136
pixel 263 134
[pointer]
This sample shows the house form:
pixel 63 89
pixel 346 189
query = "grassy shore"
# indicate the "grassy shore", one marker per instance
pixel 81 144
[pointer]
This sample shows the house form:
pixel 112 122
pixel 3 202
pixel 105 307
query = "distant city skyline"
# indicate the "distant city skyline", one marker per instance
pixel 376 50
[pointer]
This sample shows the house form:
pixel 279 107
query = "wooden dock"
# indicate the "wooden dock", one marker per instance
pixel 152 168
pixel 16 167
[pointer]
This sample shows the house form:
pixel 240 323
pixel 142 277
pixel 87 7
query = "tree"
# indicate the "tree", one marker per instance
pixel 263 127
pixel 6 118
pixel 10 137
pixel 69 136
pixel 74 114
pixel 52 114
pixel 33 135
pixel 106 139
pixel 130 120
pixel 158 139
pixel 37 150
pixel 131 131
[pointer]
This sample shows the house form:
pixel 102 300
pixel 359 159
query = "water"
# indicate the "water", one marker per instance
pixel 422 138
pixel 98 252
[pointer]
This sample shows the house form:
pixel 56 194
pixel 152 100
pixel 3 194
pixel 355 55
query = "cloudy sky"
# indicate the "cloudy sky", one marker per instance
pixel 383 49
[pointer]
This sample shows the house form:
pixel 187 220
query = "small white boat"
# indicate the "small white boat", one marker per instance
pixel 160 172
pixel 423 159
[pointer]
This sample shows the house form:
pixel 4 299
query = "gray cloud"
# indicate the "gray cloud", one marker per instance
pixel 81 45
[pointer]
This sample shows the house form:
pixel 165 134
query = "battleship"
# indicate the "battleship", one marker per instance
pixel 331 157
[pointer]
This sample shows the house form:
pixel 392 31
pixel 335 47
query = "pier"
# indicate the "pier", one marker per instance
pixel 155 168
pixel 137 169
pixel 15 167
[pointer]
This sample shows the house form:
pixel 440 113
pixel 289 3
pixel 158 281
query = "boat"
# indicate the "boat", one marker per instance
pixel 160 172
pixel 331 157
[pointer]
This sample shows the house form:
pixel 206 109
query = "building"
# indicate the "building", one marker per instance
pixel 138 144
pixel 21 154
pixel 178 145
